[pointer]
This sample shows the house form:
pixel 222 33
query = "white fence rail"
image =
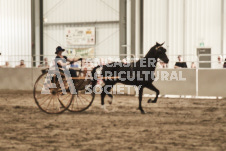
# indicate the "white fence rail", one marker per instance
pixel 35 61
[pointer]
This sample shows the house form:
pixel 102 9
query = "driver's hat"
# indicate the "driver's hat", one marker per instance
pixel 58 49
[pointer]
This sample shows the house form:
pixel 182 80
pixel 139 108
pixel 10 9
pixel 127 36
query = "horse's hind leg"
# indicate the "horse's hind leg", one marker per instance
pixel 103 94
pixel 140 100
pixel 153 88
pixel 109 94
pixel 106 90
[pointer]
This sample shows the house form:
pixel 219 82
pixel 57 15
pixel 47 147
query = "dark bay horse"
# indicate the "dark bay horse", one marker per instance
pixel 140 74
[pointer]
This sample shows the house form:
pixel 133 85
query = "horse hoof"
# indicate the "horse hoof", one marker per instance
pixel 142 112
pixel 154 102
pixel 150 101
pixel 110 102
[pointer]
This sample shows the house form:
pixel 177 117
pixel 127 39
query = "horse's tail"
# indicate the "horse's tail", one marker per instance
pixel 94 75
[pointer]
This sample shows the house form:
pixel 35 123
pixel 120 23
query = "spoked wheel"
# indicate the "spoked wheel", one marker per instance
pixel 82 100
pixel 49 95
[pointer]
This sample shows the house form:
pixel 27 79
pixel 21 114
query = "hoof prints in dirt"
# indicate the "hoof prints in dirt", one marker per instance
pixel 166 126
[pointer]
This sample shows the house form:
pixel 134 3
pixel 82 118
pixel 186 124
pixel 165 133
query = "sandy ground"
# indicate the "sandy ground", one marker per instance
pixel 171 124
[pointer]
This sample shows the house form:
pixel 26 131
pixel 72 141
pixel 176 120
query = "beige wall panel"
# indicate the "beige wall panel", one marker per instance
pixel 212 82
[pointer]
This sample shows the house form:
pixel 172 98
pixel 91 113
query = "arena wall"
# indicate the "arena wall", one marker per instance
pixel 212 82
pixel 13 79
pixel 203 82
pixel 177 85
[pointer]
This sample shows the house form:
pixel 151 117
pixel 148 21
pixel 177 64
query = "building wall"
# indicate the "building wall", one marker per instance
pixel 155 23
pixel 107 36
pixel 203 23
pixel 224 22
pixel 183 24
pixel 15 31
pixel 81 10
pixel 76 13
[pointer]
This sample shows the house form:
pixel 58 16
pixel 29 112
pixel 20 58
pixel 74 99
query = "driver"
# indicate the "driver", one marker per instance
pixel 62 61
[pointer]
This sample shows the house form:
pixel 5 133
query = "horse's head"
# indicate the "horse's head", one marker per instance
pixel 161 52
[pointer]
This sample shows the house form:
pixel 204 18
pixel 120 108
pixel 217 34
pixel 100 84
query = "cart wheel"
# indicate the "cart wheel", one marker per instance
pixel 48 94
pixel 82 100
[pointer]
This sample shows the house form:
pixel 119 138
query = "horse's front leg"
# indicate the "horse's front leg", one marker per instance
pixel 153 88
pixel 140 100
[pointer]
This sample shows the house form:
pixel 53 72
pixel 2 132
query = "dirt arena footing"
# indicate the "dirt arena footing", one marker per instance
pixel 171 124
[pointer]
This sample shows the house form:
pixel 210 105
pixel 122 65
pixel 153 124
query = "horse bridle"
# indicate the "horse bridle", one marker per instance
pixel 157 48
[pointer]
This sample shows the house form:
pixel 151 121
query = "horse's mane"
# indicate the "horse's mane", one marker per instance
pixel 151 52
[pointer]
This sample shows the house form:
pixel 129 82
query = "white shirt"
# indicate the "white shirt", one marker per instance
pixel 218 65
